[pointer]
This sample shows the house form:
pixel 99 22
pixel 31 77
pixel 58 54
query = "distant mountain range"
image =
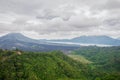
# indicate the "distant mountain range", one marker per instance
pixel 17 40
pixel 92 40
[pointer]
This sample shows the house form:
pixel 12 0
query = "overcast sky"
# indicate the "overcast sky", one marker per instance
pixel 57 19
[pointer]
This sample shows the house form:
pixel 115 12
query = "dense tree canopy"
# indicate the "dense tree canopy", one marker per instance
pixel 103 64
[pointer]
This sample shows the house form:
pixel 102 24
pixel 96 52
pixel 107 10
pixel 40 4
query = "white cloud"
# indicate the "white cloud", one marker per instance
pixel 60 18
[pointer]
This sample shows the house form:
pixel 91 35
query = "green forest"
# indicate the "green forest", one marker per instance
pixel 85 63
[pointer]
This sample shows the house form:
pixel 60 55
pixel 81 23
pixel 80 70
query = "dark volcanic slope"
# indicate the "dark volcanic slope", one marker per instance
pixel 17 40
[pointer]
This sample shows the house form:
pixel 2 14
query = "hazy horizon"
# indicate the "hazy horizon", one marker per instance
pixel 57 38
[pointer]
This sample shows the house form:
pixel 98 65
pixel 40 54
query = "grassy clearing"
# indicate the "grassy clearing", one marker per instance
pixel 80 59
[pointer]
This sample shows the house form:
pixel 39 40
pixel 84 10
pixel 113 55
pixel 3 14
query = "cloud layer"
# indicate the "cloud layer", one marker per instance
pixel 53 19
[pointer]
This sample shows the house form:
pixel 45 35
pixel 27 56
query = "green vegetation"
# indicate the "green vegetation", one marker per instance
pixel 105 61
pixel 38 66
pixel 80 59
pixel 106 58
pixel 86 63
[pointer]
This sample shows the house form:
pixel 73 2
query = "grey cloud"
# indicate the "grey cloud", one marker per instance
pixel 61 17
pixel 112 4
pixel 113 22
pixel 84 22
pixel 64 12
pixel 47 14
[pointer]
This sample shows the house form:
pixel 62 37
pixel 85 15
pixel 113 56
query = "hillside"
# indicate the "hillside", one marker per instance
pixel 104 58
pixel 38 66
pixel 12 41
pixel 19 65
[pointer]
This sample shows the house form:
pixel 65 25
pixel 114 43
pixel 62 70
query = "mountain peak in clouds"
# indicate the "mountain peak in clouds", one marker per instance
pixel 17 40
pixel 16 37
pixel 14 34
pixel 104 37
pixel 97 40
pixel 102 40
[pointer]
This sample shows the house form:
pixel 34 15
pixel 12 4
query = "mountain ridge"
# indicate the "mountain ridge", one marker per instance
pixel 104 40
pixel 17 40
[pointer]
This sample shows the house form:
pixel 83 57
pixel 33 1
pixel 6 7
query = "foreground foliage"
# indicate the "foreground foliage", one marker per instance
pixel 97 64
pixel 38 66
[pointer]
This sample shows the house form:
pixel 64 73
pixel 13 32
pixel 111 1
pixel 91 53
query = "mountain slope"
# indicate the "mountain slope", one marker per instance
pixel 17 40
pixel 19 65
pixel 106 58
pixel 16 36
pixel 38 66
pixel 95 40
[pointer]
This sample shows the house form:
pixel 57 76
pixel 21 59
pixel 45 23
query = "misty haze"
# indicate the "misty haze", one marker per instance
pixel 59 39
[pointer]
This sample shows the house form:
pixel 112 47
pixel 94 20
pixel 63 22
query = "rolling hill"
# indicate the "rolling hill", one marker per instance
pixel 38 66
pixel 20 65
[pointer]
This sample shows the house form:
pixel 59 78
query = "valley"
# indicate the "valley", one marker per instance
pixel 23 58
